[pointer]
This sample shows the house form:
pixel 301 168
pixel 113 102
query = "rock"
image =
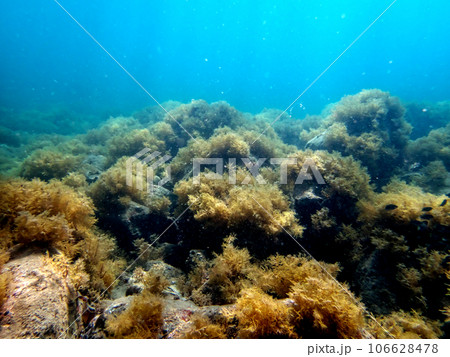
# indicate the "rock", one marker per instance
pixel 116 307
pixel 177 314
pixel 38 303
pixel 128 285
pixel 308 196
pixel 107 309
pixel 93 166
pixel 195 257
pixel 137 221
pixel 133 290
pixel 160 192
pixel 215 313
pixel 317 142
pixel 173 253
pixel 168 271
pixel 307 202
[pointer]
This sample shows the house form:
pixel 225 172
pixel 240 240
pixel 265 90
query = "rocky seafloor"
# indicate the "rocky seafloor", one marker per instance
pixel 266 250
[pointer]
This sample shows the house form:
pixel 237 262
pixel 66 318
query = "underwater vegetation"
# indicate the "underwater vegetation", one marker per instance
pixel 258 210
pixel 281 297
pixel 4 277
pixel 59 220
pixel 406 325
pixel 200 119
pixel 433 147
pixel 48 164
pixel 143 318
pixel 232 247
pixel 369 126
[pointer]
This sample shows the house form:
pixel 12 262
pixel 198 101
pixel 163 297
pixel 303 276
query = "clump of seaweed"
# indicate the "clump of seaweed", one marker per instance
pixel 100 260
pixel 143 318
pixel 47 164
pixel 221 280
pixel 201 119
pixel 258 291
pixel 112 191
pixel 113 127
pixel 321 220
pixel 35 211
pixel 268 145
pixel 410 274
pixel 343 176
pixel 201 327
pixel 4 277
pixel 324 310
pixel 146 251
pixel 229 273
pixel 280 273
pixel 405 325
pixel 405 204
pixel 368 126
pixel 133 142
pixel 403 231
pixel 261 316
pixel 434 146
pixel 432 177
pixel 294 297
pixel 226 144
pixel 218 203
pixel 446 310
pixel 154 282
pixel 56 217
pixel 76 181
pixel 164 132
pixel 373 110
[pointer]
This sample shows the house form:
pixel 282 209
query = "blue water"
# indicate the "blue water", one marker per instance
pixel 253 54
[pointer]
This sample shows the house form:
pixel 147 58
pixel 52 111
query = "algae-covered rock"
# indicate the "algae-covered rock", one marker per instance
pixel 368 126
pixel 38 304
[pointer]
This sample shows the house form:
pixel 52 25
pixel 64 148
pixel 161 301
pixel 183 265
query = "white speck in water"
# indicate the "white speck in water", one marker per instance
pixel 424 110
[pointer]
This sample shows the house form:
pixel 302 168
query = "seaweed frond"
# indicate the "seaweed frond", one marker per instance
pixel 261 316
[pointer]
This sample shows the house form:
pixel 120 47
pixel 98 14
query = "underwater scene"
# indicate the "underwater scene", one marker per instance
pixel 187 169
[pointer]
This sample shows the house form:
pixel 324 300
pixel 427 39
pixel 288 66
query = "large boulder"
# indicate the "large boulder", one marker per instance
pixel 38 302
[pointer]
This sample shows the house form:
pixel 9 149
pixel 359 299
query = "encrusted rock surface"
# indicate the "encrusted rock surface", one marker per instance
pixel 38 303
